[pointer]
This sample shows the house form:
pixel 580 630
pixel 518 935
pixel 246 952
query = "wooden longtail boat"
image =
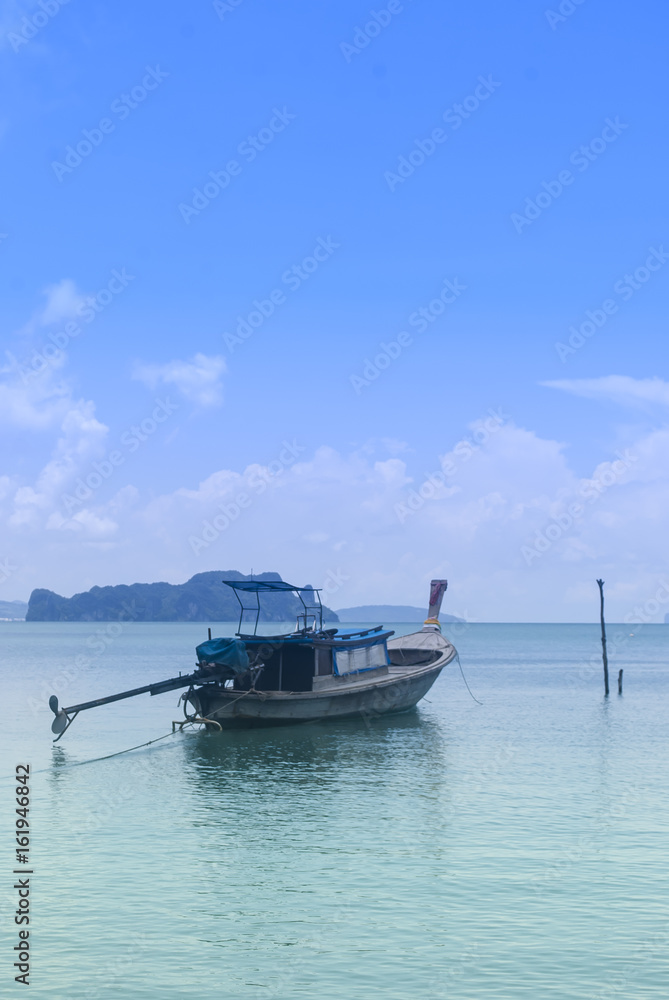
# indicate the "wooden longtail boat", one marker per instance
pixel 306 675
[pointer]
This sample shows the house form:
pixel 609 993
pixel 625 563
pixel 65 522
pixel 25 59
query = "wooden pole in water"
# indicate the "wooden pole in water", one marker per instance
pixel 620 681
pixel 600 584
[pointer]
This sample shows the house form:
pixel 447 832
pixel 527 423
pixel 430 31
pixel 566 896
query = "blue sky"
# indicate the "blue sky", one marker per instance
pixel 115 119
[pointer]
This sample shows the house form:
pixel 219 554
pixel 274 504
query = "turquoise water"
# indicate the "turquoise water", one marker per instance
pixel 506 850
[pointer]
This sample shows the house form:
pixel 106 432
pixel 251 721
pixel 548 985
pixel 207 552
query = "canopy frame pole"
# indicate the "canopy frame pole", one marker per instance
pixel 242 609
pixel 313 610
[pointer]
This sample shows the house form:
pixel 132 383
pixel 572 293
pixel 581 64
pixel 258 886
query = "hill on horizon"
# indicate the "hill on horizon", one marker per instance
pixel 397 614
pixel 203 598
pixel 13 610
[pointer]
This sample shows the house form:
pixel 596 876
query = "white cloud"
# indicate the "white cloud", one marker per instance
pixel 63 302
pixel 617 389
pixel 94 526
pixel 42 400
pixel 81 438
pixel 33 393
pixel 34 401
pixel 392 472
pixel 198 380
pixel 12 13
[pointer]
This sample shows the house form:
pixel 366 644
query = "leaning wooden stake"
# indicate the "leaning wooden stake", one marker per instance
pixel 600 584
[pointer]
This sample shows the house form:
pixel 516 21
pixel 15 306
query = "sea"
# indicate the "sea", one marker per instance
pixel 502 844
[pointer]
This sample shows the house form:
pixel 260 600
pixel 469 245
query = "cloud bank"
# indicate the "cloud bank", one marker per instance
pixel 501 514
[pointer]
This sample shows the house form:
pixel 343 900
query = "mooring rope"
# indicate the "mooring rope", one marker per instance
pixel 140 746
pixel 457 657
pixel 118 753
pixel 194 718
pixel 188 721
pixel 230 703
pixel 93 760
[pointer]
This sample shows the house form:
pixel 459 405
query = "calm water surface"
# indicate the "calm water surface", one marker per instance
pixel 506 850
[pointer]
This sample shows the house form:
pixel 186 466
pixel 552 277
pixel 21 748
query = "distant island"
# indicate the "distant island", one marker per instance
pixel 13 611
pixel 203 598
pixel 389 614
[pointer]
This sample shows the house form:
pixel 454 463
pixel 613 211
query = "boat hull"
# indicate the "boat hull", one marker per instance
pixel 398 689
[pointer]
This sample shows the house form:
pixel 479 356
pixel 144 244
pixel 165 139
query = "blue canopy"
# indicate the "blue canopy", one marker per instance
pixel 224 653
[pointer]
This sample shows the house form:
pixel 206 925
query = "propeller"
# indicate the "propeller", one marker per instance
pixel 59 724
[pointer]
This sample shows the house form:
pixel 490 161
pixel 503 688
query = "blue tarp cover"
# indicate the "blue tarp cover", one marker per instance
pixel 224 652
